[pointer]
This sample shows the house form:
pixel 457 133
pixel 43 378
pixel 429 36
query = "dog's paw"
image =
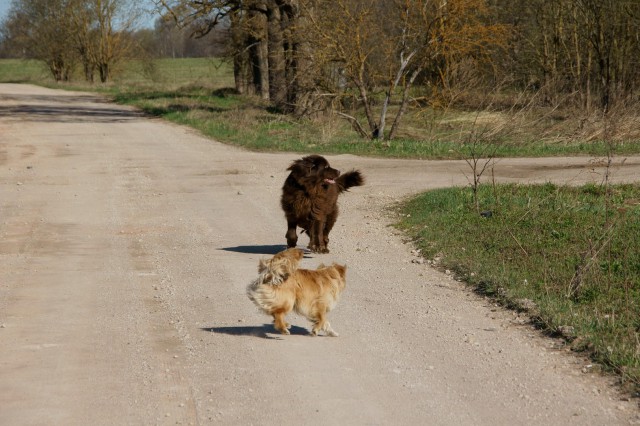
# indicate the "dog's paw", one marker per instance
pixel 318 249
pixel 284 331
pixel 329 331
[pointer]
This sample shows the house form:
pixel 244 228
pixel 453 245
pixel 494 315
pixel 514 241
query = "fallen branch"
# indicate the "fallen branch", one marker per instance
pixel 354 123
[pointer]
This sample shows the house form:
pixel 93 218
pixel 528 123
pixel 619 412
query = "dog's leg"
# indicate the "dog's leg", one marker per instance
pixel 317 243
pixel 321 324
pixel 292 236
pixel 324 326
pixel 330 331
pixel 313 236
pixel 279 323
pixel 328 226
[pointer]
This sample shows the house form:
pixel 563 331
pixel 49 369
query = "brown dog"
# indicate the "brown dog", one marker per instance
pixel 310 199
pixel 281 287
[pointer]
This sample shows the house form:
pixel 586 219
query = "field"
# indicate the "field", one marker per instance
pixel 570 256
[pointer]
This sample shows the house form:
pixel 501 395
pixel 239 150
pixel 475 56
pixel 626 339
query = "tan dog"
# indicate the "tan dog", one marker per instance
pixel 281 287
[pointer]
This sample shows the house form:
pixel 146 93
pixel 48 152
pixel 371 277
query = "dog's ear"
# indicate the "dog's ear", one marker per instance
pixel 301 167
pixel 342 269
pixel 306 165
pixel 296 165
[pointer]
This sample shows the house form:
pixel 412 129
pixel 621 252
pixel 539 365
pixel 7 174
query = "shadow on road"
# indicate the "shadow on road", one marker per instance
pixel 257 331
pixel 65 109
pixel 270 249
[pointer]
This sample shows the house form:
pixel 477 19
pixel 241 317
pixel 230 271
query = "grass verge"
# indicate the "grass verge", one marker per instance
pixel 197 92
pixel 248 122
pixel 568 255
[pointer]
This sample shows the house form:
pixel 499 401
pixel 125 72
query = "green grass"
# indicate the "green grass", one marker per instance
pixel 139 75
pixel 23 71
pixel 572 251
pixel 172 73
pixel 248 122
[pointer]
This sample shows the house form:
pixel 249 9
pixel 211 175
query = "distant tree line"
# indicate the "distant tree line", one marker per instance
pixel 306 55
pixel 96 36
pixel 587 50
pixel 366 60
pixel 167 40
pixel 65 33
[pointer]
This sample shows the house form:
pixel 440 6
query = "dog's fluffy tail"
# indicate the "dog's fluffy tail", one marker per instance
pixel 263 295
pixel 349 180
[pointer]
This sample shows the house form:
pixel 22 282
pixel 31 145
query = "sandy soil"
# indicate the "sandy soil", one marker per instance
pixel 126 245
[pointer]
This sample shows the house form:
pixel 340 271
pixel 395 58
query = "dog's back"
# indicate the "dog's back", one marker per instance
pixel 318 290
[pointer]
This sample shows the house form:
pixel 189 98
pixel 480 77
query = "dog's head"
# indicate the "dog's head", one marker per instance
pixel 315 168
pixel 279 267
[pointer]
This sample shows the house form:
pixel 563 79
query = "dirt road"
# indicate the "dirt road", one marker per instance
pixel 126 245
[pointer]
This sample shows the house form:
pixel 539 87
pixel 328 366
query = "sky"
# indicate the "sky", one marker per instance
pixel 147 22
pixel 4 8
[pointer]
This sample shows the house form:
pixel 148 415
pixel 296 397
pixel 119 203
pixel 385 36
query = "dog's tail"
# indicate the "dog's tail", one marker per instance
pixel 272 274
pixel 349 180
pixel 262 295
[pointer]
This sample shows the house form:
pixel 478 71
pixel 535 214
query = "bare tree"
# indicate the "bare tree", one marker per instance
pixel 384 47
pixel 42 28
pixel 266 39
pixel 584 48
pixel 63 32
pixel 108 38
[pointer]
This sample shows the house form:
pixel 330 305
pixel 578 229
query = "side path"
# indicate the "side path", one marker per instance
pixel 126 245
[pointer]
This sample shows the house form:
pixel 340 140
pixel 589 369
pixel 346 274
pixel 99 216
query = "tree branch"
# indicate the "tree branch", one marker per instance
pixel 354 123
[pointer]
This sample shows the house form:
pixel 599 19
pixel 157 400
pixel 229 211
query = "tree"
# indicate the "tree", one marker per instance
pixel 266 41
pixel 383 46
pixel 580 50
pixel 42 29
pixel 63 32
pixel 104 28
pixel 201 17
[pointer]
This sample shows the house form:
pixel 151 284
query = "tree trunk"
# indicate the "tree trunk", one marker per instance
pixel 239 74
pixel 373 126
pixel 239 62
pixel 404 103
pixel 103 68
pixel 277 76
pixel 263 58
